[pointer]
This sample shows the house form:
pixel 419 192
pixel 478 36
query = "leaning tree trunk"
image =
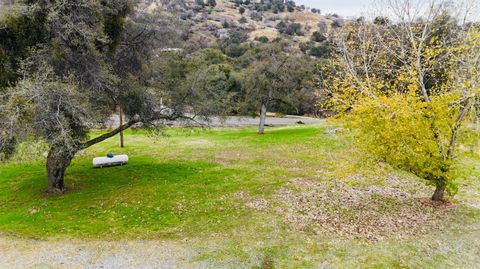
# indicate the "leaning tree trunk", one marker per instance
pixel 263 117
pixel 59 158
pixel 57 163
pixel 439 192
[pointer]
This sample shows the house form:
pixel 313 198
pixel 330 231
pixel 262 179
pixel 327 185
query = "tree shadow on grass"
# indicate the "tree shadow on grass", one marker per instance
pixel 144 197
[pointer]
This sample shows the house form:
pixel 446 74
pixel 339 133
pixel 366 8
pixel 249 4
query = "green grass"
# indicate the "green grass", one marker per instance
pixel 200 184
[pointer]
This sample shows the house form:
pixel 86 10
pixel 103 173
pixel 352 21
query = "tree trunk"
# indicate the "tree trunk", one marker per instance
pixel 57 163
pixel 121 123
pixel 263 117
pixel 59 158
pixel 439 192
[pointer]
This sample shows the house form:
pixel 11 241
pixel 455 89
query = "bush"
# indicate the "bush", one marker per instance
pixel 323 51
pixel 197 8
pixel 212 3
pixel 322 26
pixel 318 37
pixel 279 7
pixel 381 20
pixel 243 20
pixel 262 7
pixel 235 50
pixel 281 26
pixel 294 29
pixel 236 37
pixel 290 28
pixel 187 15
pixel 290 6
pixel 306 46
pixel 241 10
pixel 262 39
pixel 337 23
pixel 230 44
pixel 256 16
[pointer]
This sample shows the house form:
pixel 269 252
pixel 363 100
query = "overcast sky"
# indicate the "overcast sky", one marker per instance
pixel 341 7
pixel 356 8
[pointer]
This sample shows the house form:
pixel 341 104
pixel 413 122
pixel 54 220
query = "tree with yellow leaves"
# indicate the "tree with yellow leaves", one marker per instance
pixel 409 86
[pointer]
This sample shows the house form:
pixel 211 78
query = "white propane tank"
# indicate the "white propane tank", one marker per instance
pixel 110 161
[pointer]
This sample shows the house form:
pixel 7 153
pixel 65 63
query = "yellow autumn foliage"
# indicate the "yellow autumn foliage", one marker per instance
pixel 407 97
pixel 407 133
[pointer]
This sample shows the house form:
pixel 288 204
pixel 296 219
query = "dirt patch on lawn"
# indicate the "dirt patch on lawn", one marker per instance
pixel 248 201
pixel 204 143
pixel 233 156
pixel 370 212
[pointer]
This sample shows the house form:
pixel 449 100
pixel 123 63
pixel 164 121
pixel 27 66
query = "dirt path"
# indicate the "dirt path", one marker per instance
pixel 30 253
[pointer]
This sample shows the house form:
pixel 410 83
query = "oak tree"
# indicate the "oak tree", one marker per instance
pixel 87 58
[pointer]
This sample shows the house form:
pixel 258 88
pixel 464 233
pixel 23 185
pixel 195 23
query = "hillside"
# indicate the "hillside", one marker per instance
pixel 210 23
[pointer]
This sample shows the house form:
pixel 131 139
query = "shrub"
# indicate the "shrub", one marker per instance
pixel 323 51
pixel 306 46
pixel 186 15
pixel 257 16
pixel 290 6
pixel 322 26
pixel 235 50
pixel 262 39
pixel 318 37
pixel 212 3
pixel 290 28
pixel 243 20
pixel 381 20
pixel 337 23
pixel 294 29
pixel 200 3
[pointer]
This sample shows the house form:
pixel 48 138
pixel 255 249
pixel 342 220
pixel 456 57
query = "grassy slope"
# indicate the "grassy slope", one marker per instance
pixel 219 189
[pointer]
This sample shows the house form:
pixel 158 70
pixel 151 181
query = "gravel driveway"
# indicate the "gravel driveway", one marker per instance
pixel 238 121
pixel 31 253
pixel 245 121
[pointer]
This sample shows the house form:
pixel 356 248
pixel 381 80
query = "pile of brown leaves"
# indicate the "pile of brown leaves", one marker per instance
pixel 370 212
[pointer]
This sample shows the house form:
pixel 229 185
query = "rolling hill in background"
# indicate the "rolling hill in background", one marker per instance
pixel 213 20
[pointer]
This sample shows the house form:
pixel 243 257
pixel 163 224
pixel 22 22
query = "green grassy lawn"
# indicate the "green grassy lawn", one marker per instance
pixel 294 197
